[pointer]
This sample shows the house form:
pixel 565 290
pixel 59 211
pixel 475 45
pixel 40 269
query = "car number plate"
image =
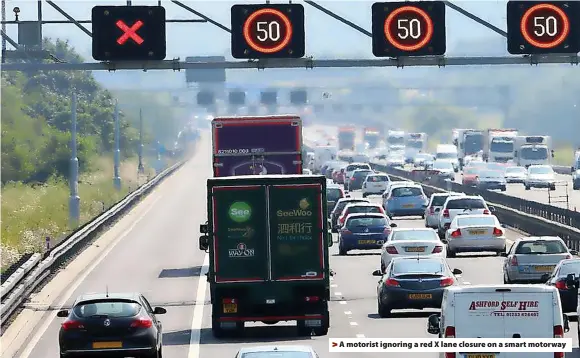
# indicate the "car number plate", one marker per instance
pixel 415 249
pixel 477 232
pixel 230 308
pixel 105 345
pixel 420 296
pixel 408 205
pixel 544 268
pixel 363 242
pixel 480 355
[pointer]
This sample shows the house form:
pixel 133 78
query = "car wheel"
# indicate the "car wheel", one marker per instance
pixel 553 187
pixel 383 267
pixel 423 216
pixel 503 189
pixel 451 253
pixel 383 310
pixel 506 279
pixel 364 195
pixel 341 250
pixel 527 187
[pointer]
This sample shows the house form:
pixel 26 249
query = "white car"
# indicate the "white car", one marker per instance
pixel 434 207
pixel 375 184
pixel 349 170
pixel 540 176
pixel 445 168
pixel 461 205
pixel 515 174
pixel 411 242
pixel 475 233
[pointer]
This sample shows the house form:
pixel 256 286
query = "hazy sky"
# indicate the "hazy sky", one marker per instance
pixel 324 35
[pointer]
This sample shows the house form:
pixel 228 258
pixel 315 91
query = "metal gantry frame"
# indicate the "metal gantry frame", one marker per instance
pixel 260 64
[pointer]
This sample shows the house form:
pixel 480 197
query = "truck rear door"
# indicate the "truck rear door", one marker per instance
pixel 240 233
pixel 297 240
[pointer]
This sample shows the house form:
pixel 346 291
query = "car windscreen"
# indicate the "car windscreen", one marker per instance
pixel 109 308
pixel 409 267
pixel 406 192
pixel 361 174
pixel 572 267
pixel 541 247
pixel 491 174
pixel 540 170
pixel 467 203
pixel 276 354
pixel 442 165
pixel 476 221
pixel 438 200
pixel 516 170
pixel 419 235
pixel 377 178
pixel 353 167
pixel 371 221
pixel 333 194
pixel 364 209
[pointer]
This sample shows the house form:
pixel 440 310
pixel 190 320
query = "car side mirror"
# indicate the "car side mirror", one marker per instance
pixel 203 242
pixel 574 252
pixel 433 324
pixel 572 169
pixel 393 225
pixel 329 238
pixel 203 228
pixel 159 310
pixel 571 281
pixel 492 208
pixel 457 272
pixel 566 322
pixel 62 313
pixel 377 273
pixel 347 196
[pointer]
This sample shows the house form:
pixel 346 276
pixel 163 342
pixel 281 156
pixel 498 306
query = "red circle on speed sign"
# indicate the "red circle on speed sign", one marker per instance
pixel 408 28
pixel 545 26
pixel 268 30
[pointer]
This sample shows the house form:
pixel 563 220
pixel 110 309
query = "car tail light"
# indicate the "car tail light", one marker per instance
pixel 392 282
pixel 561 285
pixel 142 323
pixel 391 250
pixel 70 324
pixel 229 301
pixel 437 249
pixel 486 212
pixel 445 213
pixel 447 281
pixel 497 232
pixel 450 333
pixel 381 210
pixel 456 233
pixel 311 298
pixel 514 261
pixel 558 333
pixel 431 210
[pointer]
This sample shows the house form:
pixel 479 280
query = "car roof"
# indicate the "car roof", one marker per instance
pixel 364 204
pixel 134 296
pixel 353 200
pixel 379 175
pixel 363 170
pixel 568 261
pixel 283 348
pixel 400 229
pixel 449 194
pixel 333 186
pixel 409 185
pixel 417 258
pixel 464 197
pixel 475 216
pixel 358 215
pixel 539 238
pixel 358 163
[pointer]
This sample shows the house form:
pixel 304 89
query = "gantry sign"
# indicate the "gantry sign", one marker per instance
pixel 399 29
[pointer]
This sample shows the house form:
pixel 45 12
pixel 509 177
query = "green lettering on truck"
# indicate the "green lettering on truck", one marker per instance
pixel 240 212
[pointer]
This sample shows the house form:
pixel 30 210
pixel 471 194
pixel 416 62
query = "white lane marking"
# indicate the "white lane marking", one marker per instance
pixel 360 336
pixel 353 324
pixel 348 313
pixel 467 283
pixel 342 302
pixel 75 285
pixel 338 293
pixel 197 320
pixel 334 285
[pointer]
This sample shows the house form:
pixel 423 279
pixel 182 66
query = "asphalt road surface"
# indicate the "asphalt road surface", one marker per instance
pixel 154 250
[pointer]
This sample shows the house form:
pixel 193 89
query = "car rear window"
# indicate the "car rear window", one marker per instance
pixel 276 354
pixel 340 206
pixel 470 171
pixel 408 267
pixel 541 247
pixel 362 174
pixel 407 191
pixel 476 221
pixel 366 222
pixel 415 235
pixel 570 267
pixel 333 194
pixel 377 178
pixel 109 308
pixel 439 200
pixel 364 209
pixel 466 204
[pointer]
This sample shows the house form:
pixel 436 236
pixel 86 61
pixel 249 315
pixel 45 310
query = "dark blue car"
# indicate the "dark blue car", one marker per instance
pixel 365 231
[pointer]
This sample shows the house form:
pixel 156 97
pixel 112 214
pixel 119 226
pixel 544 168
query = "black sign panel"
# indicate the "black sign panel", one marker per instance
pixel 205 98
pixel 237 98
pixel 269 97
pixel 128 33
pixel 268 31
pixel 543 27
pixel 414 28
pixel 299 97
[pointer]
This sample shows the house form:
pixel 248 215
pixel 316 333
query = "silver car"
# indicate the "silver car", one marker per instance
pixel 461 205
pixel 530 258
pixel 540 176
pixel 282 351
pixel 475 233
pixel 445 168
pixel 434 207
pixel 515 174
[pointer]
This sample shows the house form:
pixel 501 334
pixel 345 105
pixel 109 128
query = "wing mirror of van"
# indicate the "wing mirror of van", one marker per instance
pixel 457 272
pixel 433 324
pixel 566 322
pixel 329 238
pixel 377 273
pixel 203 242
pixel 491 208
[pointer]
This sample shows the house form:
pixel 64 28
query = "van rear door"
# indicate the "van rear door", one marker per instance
pixel 240 233
pixel 296 232
pixel 475 315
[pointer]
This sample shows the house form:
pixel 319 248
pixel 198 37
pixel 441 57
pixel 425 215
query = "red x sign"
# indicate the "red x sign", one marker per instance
pixel 130 32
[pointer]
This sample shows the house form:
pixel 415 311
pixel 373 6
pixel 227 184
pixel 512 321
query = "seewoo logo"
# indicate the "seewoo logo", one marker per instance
pixel 240 212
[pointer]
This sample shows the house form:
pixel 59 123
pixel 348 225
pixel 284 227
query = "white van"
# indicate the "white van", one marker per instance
pixel 448 153
pixel 500 311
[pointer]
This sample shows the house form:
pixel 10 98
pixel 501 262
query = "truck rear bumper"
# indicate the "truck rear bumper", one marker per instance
pixel 270 318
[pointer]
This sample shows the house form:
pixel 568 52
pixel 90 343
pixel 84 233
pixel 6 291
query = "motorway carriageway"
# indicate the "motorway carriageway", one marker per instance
pixel 154 250
pixel 315 134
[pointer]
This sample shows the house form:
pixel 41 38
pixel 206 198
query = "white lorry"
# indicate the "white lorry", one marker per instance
pixel 323 154
pixel 533 150
pixel 576 171
pixel 499 145
pixel 395 138
pixel 468 142
pixel 414 143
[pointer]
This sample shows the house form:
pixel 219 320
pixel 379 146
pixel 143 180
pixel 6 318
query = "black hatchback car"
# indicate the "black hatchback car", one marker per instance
pixel 565 278
pixel 413 282
pixel 111 325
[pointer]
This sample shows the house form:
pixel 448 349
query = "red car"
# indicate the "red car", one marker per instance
pixel 470 176
pixel 338 176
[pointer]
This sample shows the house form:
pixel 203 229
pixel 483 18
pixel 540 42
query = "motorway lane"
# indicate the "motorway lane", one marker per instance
pixel 158 257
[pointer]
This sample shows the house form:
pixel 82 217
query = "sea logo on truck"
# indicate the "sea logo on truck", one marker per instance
pixel 303 210
pixel 241 251
pixel 240 212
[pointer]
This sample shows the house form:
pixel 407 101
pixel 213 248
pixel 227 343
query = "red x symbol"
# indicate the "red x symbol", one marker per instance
pixel 130 32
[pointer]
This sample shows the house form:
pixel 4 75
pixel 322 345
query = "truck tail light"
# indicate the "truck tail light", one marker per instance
pixel 229 301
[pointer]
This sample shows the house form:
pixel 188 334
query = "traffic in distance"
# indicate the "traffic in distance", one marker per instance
pixel 281 219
